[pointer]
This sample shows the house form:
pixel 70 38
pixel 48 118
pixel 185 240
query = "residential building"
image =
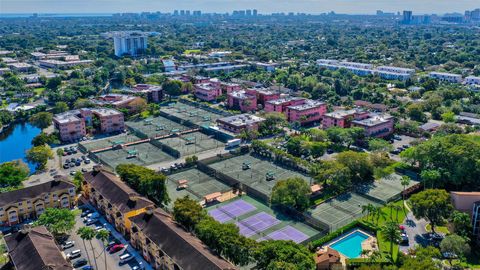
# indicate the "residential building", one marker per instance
pixel 129 42
pixel 308 112
pixel 20 67
pixel 4 70
pixel 118 101
pixel 377 125
pixel 152 93
pixel 238 123
pixel 328 259
pixel 468 202
pixel 227 88
pixel 394 73
pixel 166 245
pixel 280 105
pixel 72 125
pixel 243 100
pixel 343 118
pixel 376 107
pixel 59 64
pixel 355 65
pixel 30 202
pixel 269 67
pixel 396 69
pixel 265 94
pixel 207 91
pixel 113 198
pixel 169 65
pixel 35 249
pixel 447 77
pixel 472 80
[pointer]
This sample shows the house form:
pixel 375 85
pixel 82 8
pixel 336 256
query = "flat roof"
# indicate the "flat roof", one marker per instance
pixel 445 74
pixel 241 119
pixel 339 114
pixel 374 120
pixel 283 100
pixel 309 104
pixel 242 94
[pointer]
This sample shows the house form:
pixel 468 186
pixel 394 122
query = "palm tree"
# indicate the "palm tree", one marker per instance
pixel 83 232
pixel 104 235
pixel 377 211
pixel 369 209
pixel 87 233
pixel 397 208
pixel 390 205
pixel 391 233
pixel 405 182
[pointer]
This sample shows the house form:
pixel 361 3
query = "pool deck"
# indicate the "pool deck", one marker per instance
pixel 368 244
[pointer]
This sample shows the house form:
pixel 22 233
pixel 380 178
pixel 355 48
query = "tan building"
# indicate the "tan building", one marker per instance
pixel 35 249
pixel 113 198
pixel 168 246
pixel 31 202
pixel 468 202
pixel 328 259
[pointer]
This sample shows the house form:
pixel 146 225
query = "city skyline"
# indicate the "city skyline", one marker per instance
pixel 222 6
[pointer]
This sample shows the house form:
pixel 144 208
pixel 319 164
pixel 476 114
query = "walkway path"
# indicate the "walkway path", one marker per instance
pixel 415 229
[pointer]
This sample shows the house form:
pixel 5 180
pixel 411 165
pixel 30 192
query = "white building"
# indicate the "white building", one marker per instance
pixel 472 80
pixel 129 42
pixel 447 77
pixel 396 69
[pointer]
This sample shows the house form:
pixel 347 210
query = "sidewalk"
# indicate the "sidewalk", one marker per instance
pixel 120 237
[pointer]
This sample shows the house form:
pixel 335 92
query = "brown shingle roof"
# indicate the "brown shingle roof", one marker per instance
pixel 35 250
pixel 33 191
pixel 186 250
pixel 115 191
pixel 330 255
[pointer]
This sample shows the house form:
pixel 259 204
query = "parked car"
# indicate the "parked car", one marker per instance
pixel 87 161
pixel 125 258
pixel 85 213
pixel 74 254
pixel 91 221
pixel 116 248
pixel 87 267
pixel 80 262
pixel 68 244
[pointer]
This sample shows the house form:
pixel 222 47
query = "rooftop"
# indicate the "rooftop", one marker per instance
pixel 339 114
pixel 241 119
pixel 284 100
pixel 445 74
pixel 67 117
pixel 309 104
pixel 185 250
pixel 374 120
pixel 242 94
pixel 31 192
pixel 35 249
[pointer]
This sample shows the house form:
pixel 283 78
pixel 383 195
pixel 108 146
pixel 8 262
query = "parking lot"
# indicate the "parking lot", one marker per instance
pixel 76 160
pixel 95 248
pixel 400 143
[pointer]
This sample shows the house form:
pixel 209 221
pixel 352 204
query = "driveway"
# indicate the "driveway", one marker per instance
pixel 415 229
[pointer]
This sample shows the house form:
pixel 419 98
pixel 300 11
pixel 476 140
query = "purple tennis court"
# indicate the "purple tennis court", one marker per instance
pixel 287 233
pixel 256 223
pixel 230 211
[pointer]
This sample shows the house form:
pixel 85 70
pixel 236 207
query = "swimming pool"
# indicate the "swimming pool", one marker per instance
pixel 351 245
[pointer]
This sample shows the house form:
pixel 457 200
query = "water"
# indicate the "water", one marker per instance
pixel 15 141
pixel 351 246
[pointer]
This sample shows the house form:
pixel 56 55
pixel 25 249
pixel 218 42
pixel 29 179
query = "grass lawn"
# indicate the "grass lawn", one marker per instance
pixel 39 91
pixel 438 229
pixel 191 51
pixel 387 214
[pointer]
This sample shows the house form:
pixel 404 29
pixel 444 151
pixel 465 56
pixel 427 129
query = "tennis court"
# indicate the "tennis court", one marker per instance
pixel 341 210
pixel 108 142
pixel 256 175
pixel 140 154
pixel 386 189
pixel 195 115
pixel 259 222
pixel 192 143
pixel 199 185
pixel 154 127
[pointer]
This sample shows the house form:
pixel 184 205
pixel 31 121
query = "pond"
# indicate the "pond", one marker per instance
pixel 15 141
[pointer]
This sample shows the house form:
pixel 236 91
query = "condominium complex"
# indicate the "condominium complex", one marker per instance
pixel 472 80
pixel 129 42
pixel 238 123
pixel 468 202
pixel 447 77
pixel 308 112
pixel 166 245
pixel 362 69
pixel 280 105
pixel 376 125
pixel 343 118
pixel 30 202
pixel 207 91
pixel 243 100
pixel 72 125
pixel 113 198
pixel 35 249
pixel 152 93
pixel 118 101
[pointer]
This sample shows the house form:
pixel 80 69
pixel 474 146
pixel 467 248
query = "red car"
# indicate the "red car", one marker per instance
pixel 116 248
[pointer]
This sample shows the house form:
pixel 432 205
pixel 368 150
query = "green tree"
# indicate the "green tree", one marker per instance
pixel 448 117
pixel 78 180
pixel 60 107
pixel 415 112
pixel 58 221
pixel 359 165
pixel 41 120
pixel 405 181
pixel 278 254
pixel 333 173
pixel 53 83
pixel 188 212
pixel 433 205
pixel 462 224
pixel 88 233
pixel 424 258
pixel 291 192
pixel 391 233
pixel 12 173
pixel 172 87
pixel 39 155
pixel 454 244
pixel 379 145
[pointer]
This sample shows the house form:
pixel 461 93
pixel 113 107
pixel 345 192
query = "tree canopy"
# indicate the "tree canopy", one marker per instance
pixel 433 205
pixel 57 220
pixel 283 255
pixel 13 173
pixel 291 192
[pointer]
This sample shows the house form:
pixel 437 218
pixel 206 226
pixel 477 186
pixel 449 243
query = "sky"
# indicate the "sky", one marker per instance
pixel 263 6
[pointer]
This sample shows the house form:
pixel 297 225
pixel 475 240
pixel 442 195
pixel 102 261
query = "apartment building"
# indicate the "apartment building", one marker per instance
pixel 376 125
pixel 152 93
pixel 264 95
pixel 35 249
pixel 238 123
pixel 400 70
pixel 468 202
pixel 280 105
pixel 446 77
pixel 387 75
pixel 472 80
pixel 30 202
pixel 227 88
pixel 208 91
pixel 343 118
pixel 243 100
pixel 59 64
pixel 129 42
pixel 167 246
pixel 308 112
pixel 113 198
pixel 72 125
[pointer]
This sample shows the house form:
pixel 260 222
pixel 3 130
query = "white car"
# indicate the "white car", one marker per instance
pixel 68 244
